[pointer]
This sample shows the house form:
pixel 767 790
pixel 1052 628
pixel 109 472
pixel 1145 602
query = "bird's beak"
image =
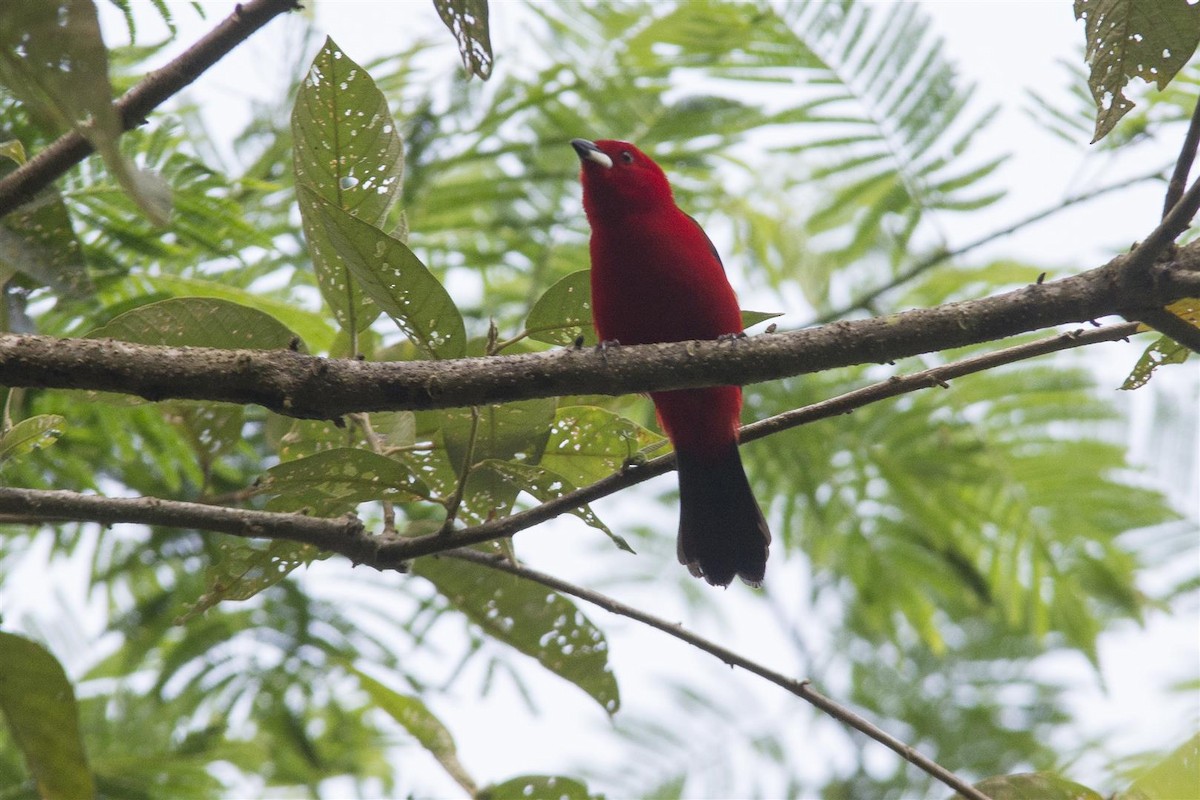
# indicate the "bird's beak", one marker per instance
pixel 587 151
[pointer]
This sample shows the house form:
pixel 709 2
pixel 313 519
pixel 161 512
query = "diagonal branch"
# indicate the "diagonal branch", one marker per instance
pixel 1170 325
pixel 800 688
pixel 20 186
pixel 1183 166
pixel 305 386
pixel 346 536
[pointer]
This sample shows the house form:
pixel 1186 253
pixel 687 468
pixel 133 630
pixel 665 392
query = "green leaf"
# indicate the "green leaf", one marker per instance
pixel 416 718
pixel 1162 351
pixel 38 240
pixel 198 322
pixel 545 485
pixel 527 786
pixel 468 21
pixel 564 312
pixel 38 703
pixel 335 481
pixel 394 278
pixel 243 570
pixel 1134 38
pixel 752 318
pixel 1177 775
pixel 53 58
pixel 536 621
pixel 347 152
pixel 588 443
pixel 1033 786
pixel 31 434
pixel 13 150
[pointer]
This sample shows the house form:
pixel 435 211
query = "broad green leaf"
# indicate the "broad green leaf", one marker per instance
pixel 1162 351
pixel 198 322
pixel 536 621
pixel 545 485
pixel 1134 38
pixel 1033 786
pixel 38 240
pixel 419 721
pixel 335 481
pixel 752 318
pixel 588 443
pixel 394 278
pixel 1177 775
pixel 347 152
pixel 53 58
pixel 564 312
pixel 243 570
pixel 38 704
pixel 212 429
pixel 311 326
pixel 468 21
pixel 547 786
pixel 31 434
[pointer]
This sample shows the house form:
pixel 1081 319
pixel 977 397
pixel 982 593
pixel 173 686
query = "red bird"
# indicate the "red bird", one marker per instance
pixel 656 277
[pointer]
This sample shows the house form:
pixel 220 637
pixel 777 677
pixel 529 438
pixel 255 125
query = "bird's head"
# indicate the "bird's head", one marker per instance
pixel 618 177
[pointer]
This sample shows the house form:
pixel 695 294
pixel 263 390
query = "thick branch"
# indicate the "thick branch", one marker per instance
pixel 311 387
pixel 800 688
pixel 22 184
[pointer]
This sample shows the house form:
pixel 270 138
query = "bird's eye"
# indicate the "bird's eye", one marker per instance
pixel 626 157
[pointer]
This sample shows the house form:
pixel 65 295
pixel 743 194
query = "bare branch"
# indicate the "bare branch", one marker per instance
pixel 1187 154
pixel 311 387
pixel 22 184
pixel 800 688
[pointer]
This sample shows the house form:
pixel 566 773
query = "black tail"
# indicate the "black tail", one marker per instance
pixel 722 532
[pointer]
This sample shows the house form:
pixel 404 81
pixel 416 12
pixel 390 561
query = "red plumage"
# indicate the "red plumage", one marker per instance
pixel 656 277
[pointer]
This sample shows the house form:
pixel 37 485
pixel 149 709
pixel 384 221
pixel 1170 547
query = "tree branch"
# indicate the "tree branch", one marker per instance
pixel 800 688
pixel 1183 165
pixel 346 536
pixel 1170 325
pixel 23 183
pixel 305 386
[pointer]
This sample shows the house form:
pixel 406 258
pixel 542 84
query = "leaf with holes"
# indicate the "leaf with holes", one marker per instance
pixel 536 621
pixel 348 152
pixel 31 434
pixel 394 278
pixel 545 485
pixel 244 570
pixel 588 443
pixel 468 21
pixel 37 240
pixel 198 322
pixel 38 703
pixel 526 786
pixel 1134 38
pixel 335 481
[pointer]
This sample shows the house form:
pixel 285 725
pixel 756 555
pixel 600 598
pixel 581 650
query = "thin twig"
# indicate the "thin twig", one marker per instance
pixel 864 302
pixel 23 183
pixel 800 688
pixel 1187 154
pixel 464 474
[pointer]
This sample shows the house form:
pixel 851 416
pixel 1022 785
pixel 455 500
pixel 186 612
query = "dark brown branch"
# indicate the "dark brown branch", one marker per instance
pixel 867 300
pixel 22 184
pixel 1170 325
pixel 311 387
pixel 1183 166
pixel 800 688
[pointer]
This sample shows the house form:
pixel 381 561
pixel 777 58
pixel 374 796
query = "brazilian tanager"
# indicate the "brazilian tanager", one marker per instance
pixel 656 277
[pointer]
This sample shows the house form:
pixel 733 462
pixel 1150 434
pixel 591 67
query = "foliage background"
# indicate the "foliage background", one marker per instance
pixel 987 685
